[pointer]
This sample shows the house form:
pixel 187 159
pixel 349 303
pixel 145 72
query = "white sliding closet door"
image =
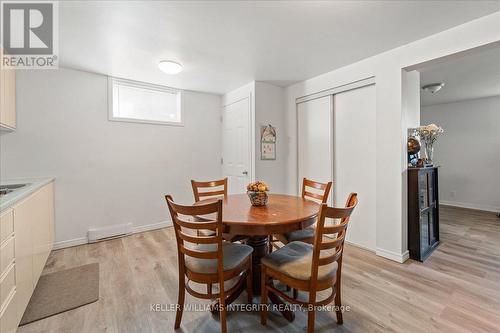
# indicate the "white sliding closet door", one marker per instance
pixel 355 116
pixel 315 145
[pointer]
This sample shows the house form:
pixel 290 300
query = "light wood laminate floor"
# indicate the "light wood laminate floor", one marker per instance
pixel 456 290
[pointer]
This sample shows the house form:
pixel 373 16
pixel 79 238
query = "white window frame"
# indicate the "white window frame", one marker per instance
pixel 143 85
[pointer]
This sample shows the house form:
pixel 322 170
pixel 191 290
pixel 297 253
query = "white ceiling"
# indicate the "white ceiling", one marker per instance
pixel 224 45
pixel 472 76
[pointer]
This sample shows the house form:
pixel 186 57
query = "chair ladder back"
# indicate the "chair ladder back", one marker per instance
pixel 204 190
pixel 324 190
pixel 182 226
pixel 338 230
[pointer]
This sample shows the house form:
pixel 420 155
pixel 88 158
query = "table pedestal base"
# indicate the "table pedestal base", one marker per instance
pixel 260 249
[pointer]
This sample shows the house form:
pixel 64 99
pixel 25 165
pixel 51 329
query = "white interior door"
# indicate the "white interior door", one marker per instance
pixel 236 147
pixel 315 147
pixel 354 160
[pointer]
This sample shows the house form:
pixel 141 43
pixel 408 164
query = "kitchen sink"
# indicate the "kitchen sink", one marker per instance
pixel 6 189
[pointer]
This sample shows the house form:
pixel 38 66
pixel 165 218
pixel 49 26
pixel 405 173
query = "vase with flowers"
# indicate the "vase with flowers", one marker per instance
pixel 257 192
pixel 428 135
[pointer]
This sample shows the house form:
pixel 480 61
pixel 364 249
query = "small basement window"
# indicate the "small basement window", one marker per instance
pixel 133 101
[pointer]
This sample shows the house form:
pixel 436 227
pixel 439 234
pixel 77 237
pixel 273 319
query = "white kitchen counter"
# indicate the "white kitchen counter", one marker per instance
pixel 6 201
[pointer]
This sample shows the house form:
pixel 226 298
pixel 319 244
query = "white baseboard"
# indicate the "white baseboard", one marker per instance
pixel 70 243
pixel 486 208
pixel 398 257
pixel 358 246
pixel 137 229
pixel 154 226
pixel 109 231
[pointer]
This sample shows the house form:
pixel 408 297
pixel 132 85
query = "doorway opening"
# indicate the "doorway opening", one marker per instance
pixel 461 95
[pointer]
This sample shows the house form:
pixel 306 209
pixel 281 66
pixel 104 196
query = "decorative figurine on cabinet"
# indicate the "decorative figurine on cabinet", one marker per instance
pixel 413 152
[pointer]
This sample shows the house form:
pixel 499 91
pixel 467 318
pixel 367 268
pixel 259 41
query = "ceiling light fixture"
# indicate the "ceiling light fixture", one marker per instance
pixel 170 67
pixel 433 87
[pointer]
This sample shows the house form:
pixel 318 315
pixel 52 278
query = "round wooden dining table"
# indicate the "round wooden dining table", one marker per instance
pixel 282 214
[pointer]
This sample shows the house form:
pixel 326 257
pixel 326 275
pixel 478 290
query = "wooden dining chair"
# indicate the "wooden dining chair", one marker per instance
pixel 208 259
pixel 307 234
pixel 311 268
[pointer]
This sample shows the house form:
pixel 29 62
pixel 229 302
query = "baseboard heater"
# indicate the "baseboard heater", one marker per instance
pixel 109 232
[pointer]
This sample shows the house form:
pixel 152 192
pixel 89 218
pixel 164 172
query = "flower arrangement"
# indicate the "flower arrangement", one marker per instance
pixel 257 192
pixel 257 186
pixel 428 135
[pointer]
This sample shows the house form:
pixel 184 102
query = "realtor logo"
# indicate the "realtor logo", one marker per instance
pixel 29 34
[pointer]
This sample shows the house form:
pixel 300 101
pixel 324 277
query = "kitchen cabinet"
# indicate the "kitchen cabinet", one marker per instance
pixel 7 98
pixel 28 227
pixel 8 318
pixel 8 306
pixel 43 230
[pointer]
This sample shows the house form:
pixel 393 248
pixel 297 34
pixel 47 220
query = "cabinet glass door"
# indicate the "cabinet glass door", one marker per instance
pixel 423 195
pixel 424 233
pixel 430 185
pixel 432 226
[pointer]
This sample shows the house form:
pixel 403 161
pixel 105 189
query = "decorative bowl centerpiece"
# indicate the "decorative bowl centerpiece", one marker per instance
pixel 257 192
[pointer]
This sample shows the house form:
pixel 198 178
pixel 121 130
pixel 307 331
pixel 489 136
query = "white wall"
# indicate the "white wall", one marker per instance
pixel 468 152
pixel 410 119
pixel 107 172
pixel 267 107
pixel 270 109
pixel 390 163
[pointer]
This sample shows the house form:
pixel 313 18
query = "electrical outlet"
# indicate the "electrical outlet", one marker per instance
pixel 453 194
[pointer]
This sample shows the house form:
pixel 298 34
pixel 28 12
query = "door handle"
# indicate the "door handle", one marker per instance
pixel 245 172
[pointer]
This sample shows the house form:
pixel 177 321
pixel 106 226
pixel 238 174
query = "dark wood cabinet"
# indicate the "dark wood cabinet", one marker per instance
pixel 423 212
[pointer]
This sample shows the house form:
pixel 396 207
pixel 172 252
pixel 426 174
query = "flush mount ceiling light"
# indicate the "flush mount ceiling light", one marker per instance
pixel 433 87
pixel 170 67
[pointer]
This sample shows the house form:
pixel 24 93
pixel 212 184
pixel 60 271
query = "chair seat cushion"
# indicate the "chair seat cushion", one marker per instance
pixel 233 255
pixel 300 235
pixel 295 260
